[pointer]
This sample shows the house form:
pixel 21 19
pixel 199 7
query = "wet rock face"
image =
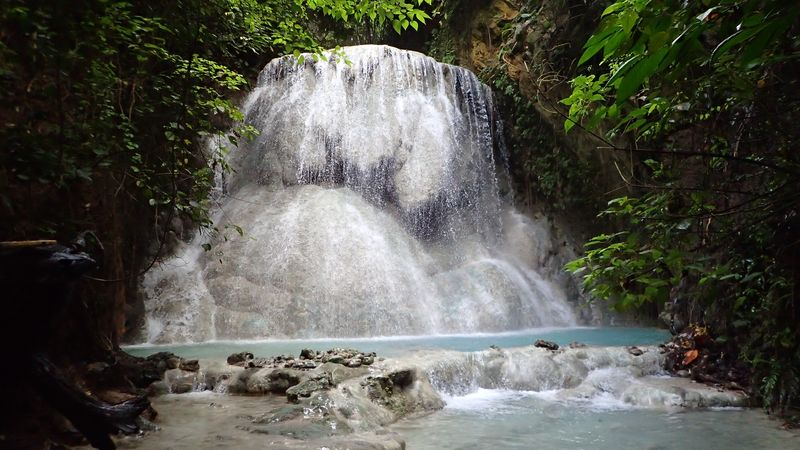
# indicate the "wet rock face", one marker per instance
pixel 343 161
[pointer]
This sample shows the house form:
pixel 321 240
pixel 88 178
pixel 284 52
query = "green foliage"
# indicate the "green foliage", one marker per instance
pixel 131 91
pixel 398 13
pixel 626 267
pixel 708 91
pixel 442 43
pixel 548 170
pixel 649 53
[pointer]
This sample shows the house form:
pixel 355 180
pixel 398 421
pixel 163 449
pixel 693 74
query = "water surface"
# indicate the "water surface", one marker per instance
pixel 397 346
pixel 524 420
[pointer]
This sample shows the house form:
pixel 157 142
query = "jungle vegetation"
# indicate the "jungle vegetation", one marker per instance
pixel 703 99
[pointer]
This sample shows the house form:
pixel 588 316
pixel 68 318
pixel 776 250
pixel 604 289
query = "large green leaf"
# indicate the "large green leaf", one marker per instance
pixel 596 43
pixel 639 73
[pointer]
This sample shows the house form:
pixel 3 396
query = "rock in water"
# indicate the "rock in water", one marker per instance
pixel 191 365
pixel 239 359
pixel 308 387
pixel 546 344
pixel 635 351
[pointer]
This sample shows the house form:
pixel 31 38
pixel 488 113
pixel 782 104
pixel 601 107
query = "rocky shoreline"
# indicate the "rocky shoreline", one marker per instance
pixel 339 397
pixel 346 398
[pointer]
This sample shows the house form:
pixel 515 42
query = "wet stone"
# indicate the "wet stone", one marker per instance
pixel 355 362
pixel 549 345
pixel 238 359
pixel 306 388
pixel 336 359
pixel 191 365
pixel 304 364
pixel 635 351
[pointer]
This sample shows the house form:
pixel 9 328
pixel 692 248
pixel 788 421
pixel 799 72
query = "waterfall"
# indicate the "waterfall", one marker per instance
pixel 371 206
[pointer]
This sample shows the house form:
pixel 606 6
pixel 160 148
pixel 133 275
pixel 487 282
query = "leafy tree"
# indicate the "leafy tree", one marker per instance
pixel 706 96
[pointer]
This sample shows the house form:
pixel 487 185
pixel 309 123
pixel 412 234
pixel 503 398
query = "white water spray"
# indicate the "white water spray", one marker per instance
pixel 371 207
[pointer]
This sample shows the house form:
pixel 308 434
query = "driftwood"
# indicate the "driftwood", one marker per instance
pixel 25 244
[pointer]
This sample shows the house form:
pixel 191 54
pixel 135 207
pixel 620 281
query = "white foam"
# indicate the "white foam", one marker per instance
pixel 486 400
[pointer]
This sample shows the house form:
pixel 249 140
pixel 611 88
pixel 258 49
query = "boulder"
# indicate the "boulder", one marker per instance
pixel 190 365
pixel 549 345
pixel 353 362
pixel 240 359
pixel 635 351
pixel 336 359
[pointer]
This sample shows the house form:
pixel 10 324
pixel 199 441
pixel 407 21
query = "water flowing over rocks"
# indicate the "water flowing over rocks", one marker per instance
pixel 330 399
pixel 573 375
pixel 334 402
pixel 372 205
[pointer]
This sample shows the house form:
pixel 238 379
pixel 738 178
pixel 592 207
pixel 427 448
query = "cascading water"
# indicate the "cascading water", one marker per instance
pixel 371 207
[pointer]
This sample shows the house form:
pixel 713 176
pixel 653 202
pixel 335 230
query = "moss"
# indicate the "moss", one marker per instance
pixel 541 166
